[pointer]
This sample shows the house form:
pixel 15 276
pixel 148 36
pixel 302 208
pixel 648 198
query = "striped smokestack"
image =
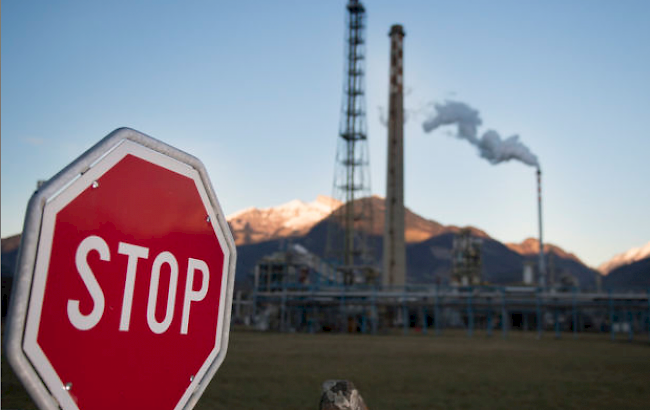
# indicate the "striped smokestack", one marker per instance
pixel 394 244
pixel 542 265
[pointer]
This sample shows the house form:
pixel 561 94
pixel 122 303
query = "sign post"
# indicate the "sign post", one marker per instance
pixel 125 281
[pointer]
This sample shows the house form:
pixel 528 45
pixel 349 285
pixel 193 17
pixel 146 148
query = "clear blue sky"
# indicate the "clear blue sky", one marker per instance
pixel 253 88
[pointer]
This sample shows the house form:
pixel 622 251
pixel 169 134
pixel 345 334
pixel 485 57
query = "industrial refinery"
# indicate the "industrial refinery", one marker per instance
pixel 358 286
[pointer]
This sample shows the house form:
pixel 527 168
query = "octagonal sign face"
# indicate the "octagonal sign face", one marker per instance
pixel 131 291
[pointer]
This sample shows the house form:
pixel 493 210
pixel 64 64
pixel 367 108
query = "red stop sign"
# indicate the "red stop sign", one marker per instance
pixel 130 301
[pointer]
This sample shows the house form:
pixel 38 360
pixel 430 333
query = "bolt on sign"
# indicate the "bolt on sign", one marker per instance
pixel 124 281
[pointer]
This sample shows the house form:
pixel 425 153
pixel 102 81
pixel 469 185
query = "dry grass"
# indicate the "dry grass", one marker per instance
pixel 284 371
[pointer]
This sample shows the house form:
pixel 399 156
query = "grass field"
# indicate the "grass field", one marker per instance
pixel 285 371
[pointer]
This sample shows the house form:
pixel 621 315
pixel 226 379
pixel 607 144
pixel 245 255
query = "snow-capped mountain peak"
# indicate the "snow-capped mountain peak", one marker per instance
pixel 298 214
pixel 625 258
pixel 295 217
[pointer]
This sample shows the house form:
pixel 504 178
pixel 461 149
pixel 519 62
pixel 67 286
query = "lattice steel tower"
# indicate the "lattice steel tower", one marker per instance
pixel 347 237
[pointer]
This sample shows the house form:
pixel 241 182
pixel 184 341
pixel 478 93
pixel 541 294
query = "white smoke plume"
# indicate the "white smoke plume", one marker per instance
pixel 452 112
pixel 490 145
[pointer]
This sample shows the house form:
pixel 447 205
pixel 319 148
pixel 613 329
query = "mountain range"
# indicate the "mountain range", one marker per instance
pixel 530 247
pixel 635 275
pixel 625 258
pixel 260 232
pixel 296 218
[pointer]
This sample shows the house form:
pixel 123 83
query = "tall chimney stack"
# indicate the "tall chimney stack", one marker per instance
pixel 542 265
pixel 394 245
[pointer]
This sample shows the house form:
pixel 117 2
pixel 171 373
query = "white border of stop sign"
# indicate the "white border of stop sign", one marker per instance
pixel 24 353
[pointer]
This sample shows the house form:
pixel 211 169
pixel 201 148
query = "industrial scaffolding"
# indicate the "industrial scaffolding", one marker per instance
pixel 466 259
pixel 347 243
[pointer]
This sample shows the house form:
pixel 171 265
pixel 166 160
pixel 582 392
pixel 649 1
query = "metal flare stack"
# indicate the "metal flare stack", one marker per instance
pixel 542 264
